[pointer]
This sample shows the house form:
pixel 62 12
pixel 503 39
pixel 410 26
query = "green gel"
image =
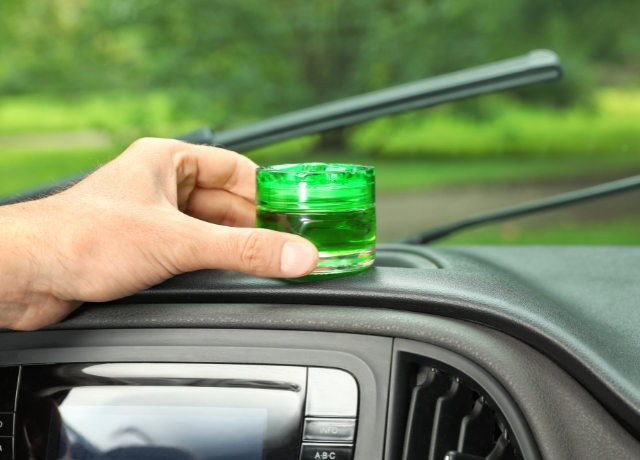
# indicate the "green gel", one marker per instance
pixel 332 205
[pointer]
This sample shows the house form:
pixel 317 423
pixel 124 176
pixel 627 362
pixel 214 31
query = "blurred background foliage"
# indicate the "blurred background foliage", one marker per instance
pixel 93 75
pixel 210 55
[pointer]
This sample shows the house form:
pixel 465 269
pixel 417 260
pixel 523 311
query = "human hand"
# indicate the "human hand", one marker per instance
pixel 120 230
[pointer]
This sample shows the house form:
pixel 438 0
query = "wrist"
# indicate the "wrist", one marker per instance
pixel 23 273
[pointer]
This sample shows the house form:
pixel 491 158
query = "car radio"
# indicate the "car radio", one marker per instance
pixel 158 411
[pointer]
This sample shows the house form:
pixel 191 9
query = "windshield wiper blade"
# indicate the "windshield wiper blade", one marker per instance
pixel 535 67
pixel 530 207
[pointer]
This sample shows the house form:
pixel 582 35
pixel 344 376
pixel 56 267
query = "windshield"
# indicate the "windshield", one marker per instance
pixel 80 80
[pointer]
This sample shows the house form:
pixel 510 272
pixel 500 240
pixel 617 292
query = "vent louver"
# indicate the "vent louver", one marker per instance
pixel 444 406
pixel 449 420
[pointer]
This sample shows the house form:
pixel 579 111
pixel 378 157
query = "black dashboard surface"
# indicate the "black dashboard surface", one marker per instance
pixel 578 305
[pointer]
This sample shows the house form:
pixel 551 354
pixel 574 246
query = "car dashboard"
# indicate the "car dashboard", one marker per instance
pixel 435 353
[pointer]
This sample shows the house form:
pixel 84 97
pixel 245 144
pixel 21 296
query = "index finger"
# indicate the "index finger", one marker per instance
pixel 216 168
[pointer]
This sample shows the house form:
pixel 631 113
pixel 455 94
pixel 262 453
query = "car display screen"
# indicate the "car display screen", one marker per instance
pixel 161 411
pixel 159 432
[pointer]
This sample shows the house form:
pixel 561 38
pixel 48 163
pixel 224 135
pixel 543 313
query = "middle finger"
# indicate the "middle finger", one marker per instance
pixel 221 207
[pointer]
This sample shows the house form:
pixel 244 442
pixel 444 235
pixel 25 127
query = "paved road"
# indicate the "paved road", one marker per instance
pixel 401 214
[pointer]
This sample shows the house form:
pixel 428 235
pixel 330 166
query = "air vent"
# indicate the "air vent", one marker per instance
pixel 448 420
pixel 450 409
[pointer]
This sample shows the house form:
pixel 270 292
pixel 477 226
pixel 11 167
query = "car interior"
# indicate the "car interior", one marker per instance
pixel 436 352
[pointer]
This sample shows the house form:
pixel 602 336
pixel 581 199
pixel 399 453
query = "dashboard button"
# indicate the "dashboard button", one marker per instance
pixel 6 448
pixel 329 429
pixel 8 388
pixel 6 424
pixel 331 393
pixel 326 452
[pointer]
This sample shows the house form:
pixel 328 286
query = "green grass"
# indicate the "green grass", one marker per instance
pixel 507 128
pixel 394 175
pixel 122 114
pixel 407 174
pixel 497 126
pixel 618 232
pixel 23 170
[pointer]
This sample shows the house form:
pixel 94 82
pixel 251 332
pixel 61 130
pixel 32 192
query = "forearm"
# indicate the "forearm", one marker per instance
pixel 25 249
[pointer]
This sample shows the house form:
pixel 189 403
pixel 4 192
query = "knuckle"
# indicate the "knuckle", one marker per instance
pixel 174 145
pixel 253 250
pixel 152 143
pixel 142 143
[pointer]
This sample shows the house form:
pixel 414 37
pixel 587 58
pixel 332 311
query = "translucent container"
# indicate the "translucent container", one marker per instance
pixel 332 205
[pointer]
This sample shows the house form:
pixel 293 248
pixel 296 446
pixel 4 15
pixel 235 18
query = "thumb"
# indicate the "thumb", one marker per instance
pixel 254 251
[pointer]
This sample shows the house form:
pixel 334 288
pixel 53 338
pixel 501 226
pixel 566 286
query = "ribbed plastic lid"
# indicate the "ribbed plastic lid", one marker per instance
pixel 315 186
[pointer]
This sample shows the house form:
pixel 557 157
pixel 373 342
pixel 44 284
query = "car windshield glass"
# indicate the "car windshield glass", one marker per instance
pixel 80 80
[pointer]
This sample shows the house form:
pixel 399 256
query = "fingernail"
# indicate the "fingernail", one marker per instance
pixel 296 260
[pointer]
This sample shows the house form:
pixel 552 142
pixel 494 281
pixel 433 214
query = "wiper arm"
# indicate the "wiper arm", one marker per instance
pixel 534 67
pixel 531 207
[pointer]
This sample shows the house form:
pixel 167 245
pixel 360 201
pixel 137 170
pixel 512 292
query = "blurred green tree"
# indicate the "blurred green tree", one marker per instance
pixel 257 58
